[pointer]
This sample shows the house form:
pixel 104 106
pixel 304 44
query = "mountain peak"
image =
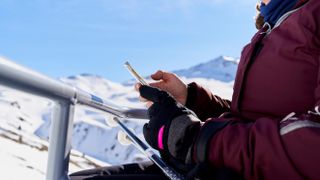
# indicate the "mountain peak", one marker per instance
pixel 222 68
pixel 229 58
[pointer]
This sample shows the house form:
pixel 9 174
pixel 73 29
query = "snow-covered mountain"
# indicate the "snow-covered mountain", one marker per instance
pixel 222 68
pixel 25 122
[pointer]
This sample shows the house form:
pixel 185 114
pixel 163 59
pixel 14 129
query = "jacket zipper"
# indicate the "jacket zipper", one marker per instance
pixel 280 21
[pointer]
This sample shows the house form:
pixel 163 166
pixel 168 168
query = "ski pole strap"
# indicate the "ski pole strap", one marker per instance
pixel 203 142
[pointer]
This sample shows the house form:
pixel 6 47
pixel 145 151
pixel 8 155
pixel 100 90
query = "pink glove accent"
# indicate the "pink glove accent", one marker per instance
pixel 160 138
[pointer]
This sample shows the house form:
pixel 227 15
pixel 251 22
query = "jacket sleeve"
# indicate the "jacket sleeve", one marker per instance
pixel 265 149
pixel 204 103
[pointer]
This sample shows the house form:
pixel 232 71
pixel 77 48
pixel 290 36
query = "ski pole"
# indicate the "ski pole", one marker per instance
pixel 167 170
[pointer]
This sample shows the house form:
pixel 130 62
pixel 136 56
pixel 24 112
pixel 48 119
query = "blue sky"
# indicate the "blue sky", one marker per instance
pixel 68 37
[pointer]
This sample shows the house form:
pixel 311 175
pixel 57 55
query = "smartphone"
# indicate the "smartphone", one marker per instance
pixel 135 74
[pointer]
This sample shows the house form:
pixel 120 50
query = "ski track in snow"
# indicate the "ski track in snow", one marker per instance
pixel 25 126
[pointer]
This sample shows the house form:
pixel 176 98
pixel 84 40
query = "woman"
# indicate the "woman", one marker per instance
pixel 271 128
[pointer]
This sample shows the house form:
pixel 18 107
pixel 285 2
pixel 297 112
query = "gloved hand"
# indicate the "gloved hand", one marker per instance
pixel 172 128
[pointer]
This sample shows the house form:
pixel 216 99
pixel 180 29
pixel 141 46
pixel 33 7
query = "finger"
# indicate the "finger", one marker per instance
pixel 141 99
pixel 163 75
pixel 137 86
pixel 149 104
pixel 159 85
pixel 158 75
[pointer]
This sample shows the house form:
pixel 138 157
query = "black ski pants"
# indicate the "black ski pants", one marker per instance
pixel 141 171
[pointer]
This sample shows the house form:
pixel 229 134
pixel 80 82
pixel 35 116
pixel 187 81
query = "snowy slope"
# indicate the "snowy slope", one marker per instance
pixel 21 150
pixel 25 123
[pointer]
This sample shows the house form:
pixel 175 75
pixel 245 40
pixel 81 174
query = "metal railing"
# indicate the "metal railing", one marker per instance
pixel 65 98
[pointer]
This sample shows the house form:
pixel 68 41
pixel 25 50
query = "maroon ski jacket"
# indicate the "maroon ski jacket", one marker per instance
pixel 278 74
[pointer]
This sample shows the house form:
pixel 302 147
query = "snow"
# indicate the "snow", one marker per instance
pixel 25 122
pixel 20 162
pixel 21 150
pixel 222 68
pixel 25 157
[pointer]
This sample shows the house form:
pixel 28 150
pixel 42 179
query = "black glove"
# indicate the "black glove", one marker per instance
pixel 163 111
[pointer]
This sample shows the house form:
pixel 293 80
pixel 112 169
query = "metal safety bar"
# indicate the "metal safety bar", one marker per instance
pixel 65 98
